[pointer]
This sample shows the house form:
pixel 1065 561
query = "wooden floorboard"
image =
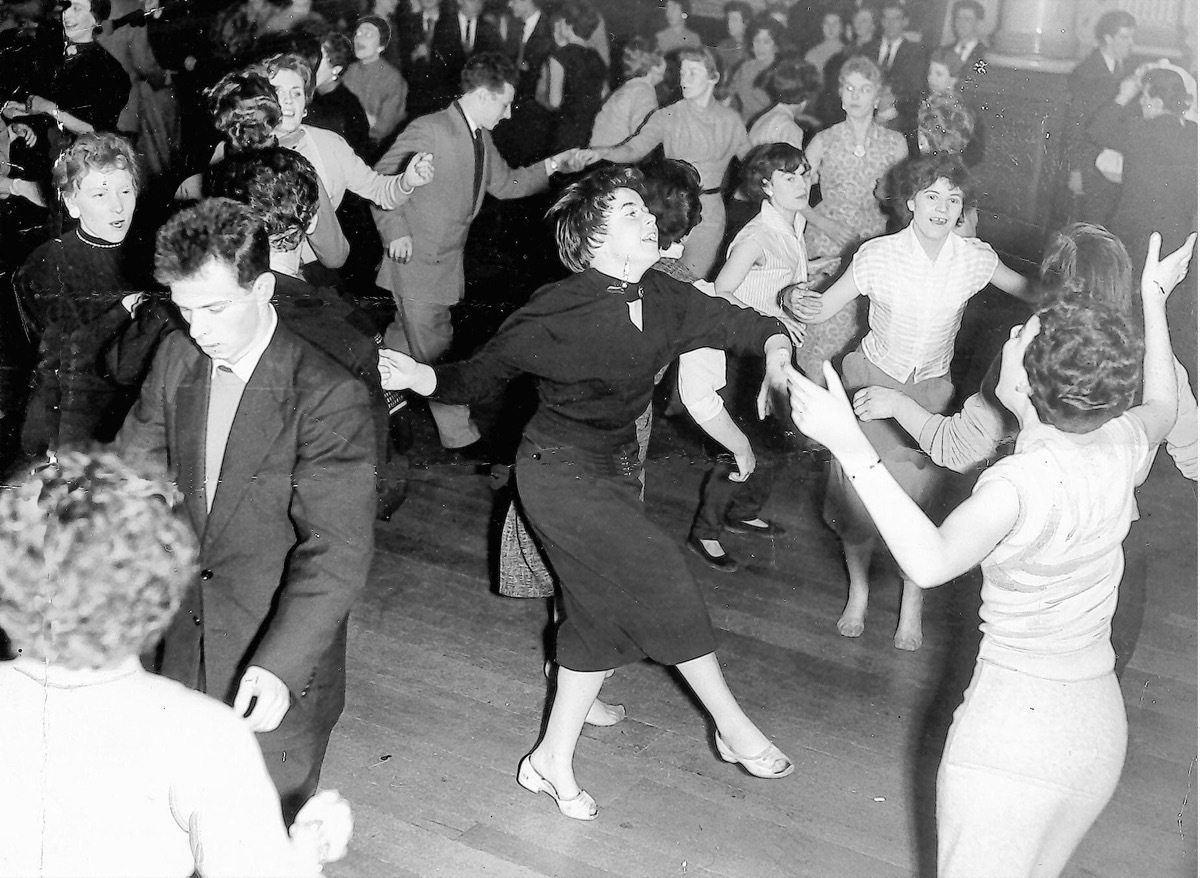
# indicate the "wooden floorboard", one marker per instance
pixel 446 693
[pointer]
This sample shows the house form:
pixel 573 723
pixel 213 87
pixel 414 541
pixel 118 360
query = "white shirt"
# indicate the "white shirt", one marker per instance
pixel 917 303
pixel 701 376
pixel 530 24
pixel 887 51
pixel 467 28
pixel 964 49
pixel 784 261
pixel 248 361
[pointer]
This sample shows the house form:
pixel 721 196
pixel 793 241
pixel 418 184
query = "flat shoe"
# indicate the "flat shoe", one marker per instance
pixel 722 563
pixel 762 765
pixel 770 529
pixel 581 806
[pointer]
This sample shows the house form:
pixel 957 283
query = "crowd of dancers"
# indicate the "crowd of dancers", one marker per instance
pixel 201 412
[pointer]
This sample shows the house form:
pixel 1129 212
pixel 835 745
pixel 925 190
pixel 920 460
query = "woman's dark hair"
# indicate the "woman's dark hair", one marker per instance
pixel 639 57
pixel 245 109
pixel 946 122
pixel 1088 263
pixel 580 16
pixel 338 49
pixel 1112 21
pixel 672 193
pixel 101 10
pixel 763 22
pixel 279 184
pixel 581 212
pixel 923 171
pixel 790 80
pixel 1168 86
pixel 741 8
pixel 764 160
pixel 296 64
pixel 1084 365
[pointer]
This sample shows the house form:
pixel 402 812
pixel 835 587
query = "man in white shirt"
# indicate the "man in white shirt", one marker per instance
pixel 270 441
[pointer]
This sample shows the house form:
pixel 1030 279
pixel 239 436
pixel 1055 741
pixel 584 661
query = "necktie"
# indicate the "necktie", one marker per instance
pixel 962 52
pixel 224 394
pixel 477 137
pixel 470 42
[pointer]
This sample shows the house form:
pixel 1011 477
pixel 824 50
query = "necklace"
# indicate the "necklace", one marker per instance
pixel 859 150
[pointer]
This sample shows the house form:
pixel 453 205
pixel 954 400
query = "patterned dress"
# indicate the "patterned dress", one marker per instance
pixel 848 196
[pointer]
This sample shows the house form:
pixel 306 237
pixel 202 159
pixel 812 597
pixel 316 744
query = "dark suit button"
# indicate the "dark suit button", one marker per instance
pixel 205 575
pixel 196 619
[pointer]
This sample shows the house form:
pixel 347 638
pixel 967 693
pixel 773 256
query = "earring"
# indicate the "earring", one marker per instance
pixel 625 272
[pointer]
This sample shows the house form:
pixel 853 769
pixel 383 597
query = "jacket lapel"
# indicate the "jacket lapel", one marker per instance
pixel 259 420
pixel 191 414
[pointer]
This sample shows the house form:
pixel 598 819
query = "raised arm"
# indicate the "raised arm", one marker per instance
pixel 1016 285
pixel 650 135
pixel 929 555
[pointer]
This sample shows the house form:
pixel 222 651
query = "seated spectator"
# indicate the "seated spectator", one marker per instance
pixel 376 83
pixel 109 770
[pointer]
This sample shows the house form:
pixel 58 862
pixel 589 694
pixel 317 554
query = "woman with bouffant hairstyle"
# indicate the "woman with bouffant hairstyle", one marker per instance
pixel 108 769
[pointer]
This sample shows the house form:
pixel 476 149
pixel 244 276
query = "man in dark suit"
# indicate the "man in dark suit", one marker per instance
pixel 424 59
pixel 271 443
pixel 1093 84
pixel 530 42
pixel 904 64
pixel 424 238
pixel 461 35
pixel 966 19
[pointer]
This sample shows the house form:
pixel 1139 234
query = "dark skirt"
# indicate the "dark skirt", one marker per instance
pixel 627 592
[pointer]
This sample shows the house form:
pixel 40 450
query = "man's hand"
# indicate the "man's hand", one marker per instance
pixel 876 403
pixel 323 826
pixel 399 371
pixel 271 699
pixel 419 170
pixel 401 249
pixel 1160 276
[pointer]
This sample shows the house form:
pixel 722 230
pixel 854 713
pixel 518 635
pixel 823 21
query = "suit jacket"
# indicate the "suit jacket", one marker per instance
pixel 537 49
pixel 287 545
pixel 909 70
pixel 427 76
pixel 439 214
pixel 447 38
pixel 1091 86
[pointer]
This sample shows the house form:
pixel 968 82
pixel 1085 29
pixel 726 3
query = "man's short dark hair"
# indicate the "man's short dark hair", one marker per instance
pixel 279 184
pixel 970 5
pixel 1112 21
pixel 672 194
pixel 216 229
pixel 490 70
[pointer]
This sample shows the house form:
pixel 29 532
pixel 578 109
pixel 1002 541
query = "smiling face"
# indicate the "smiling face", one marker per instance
pixel 224 318
pixel 493 107
pixel 694 80
pixel 630 231
pixel 859 96
pixel 103 203
pixel 788 190
pixel 763 46
pixel 366 42
pixel 936 210
pixel 289 87
pixel 78 21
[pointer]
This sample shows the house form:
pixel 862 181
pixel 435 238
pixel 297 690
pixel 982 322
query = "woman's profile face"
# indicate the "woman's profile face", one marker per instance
pixel 694 79
pixel 289 87
pixel 763 45
pixel 630 230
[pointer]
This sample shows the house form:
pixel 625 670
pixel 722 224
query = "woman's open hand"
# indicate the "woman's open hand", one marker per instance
pixel 825 414
pixel 876 403
pixel 1161 275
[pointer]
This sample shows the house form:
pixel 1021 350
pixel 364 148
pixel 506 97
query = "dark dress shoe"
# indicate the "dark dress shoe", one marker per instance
pixel 770 529
pixel 477 452
pixel 722 563
pixel 389 495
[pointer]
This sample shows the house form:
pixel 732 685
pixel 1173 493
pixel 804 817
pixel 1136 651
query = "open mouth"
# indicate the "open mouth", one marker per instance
pixel 938 220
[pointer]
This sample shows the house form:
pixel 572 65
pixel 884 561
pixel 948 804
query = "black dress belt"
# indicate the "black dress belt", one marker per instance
pixel 716 191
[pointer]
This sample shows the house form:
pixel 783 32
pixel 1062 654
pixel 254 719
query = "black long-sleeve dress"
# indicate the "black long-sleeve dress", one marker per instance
pixel 627 592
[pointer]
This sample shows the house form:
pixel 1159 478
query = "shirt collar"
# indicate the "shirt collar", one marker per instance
pixel 244 367
pixel 917 249
pixel 58 677
pixel 775 218
pixel 530 24
pixel 471 123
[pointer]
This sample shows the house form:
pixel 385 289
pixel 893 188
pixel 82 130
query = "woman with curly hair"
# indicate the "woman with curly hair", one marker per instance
pixel 595 342
pixel 108 769
pixel 1037 746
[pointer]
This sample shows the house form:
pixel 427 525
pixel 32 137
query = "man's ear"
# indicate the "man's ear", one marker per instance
pixel 264 287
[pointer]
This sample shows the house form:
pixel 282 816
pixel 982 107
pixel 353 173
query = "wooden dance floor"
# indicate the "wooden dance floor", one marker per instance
pixel 446 694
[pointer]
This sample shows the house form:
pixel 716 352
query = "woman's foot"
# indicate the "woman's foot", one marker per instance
pixel 908 632
pixel 601 713
pixel 558 783
pixel 854 618
pixel 769 763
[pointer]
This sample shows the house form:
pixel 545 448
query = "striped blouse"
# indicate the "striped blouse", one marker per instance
pixel 784 262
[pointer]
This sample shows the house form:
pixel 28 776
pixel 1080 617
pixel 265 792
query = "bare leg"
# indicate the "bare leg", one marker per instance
pixel 739 731
pixel 858 567
pixel 554 754
pixel 908 632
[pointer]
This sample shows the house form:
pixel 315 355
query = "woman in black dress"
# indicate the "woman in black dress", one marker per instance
pixel 574 78
pixel 595 341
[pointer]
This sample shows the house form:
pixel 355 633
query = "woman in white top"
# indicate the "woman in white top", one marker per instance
pixel 109 769
pixel 627 107
pixel 918 282
pixel 1036 748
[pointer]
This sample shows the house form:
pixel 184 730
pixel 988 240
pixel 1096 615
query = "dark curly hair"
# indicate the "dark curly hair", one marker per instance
pixel 94 559
pixel 279 184
pixel 1084 365
pixel 672 193
pixel 338 49
pixel 214 229
pixel 761 23
pixel 94 151
pixel 790 80
pixel 764 160
pixel 1087 262
pixel 581 212
pixel 1168 86
pixel 947 123
pixel 922 172
pixel 245 109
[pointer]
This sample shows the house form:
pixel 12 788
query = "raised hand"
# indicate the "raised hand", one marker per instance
pixel 824 414
pixel 876 403
pixel 419 171
pixel 1161 275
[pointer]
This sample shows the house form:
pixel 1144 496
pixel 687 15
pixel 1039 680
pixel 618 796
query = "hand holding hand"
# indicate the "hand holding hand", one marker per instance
pixel 1160 276
pixel 21 131
pixel 876 403
pixel 800 300
pixel 400 249
pixel 824 414
pixel 419 170
pixel 578 159
pixel 271 699
pixel 13 110
pixel 323 826
pixel 399 371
